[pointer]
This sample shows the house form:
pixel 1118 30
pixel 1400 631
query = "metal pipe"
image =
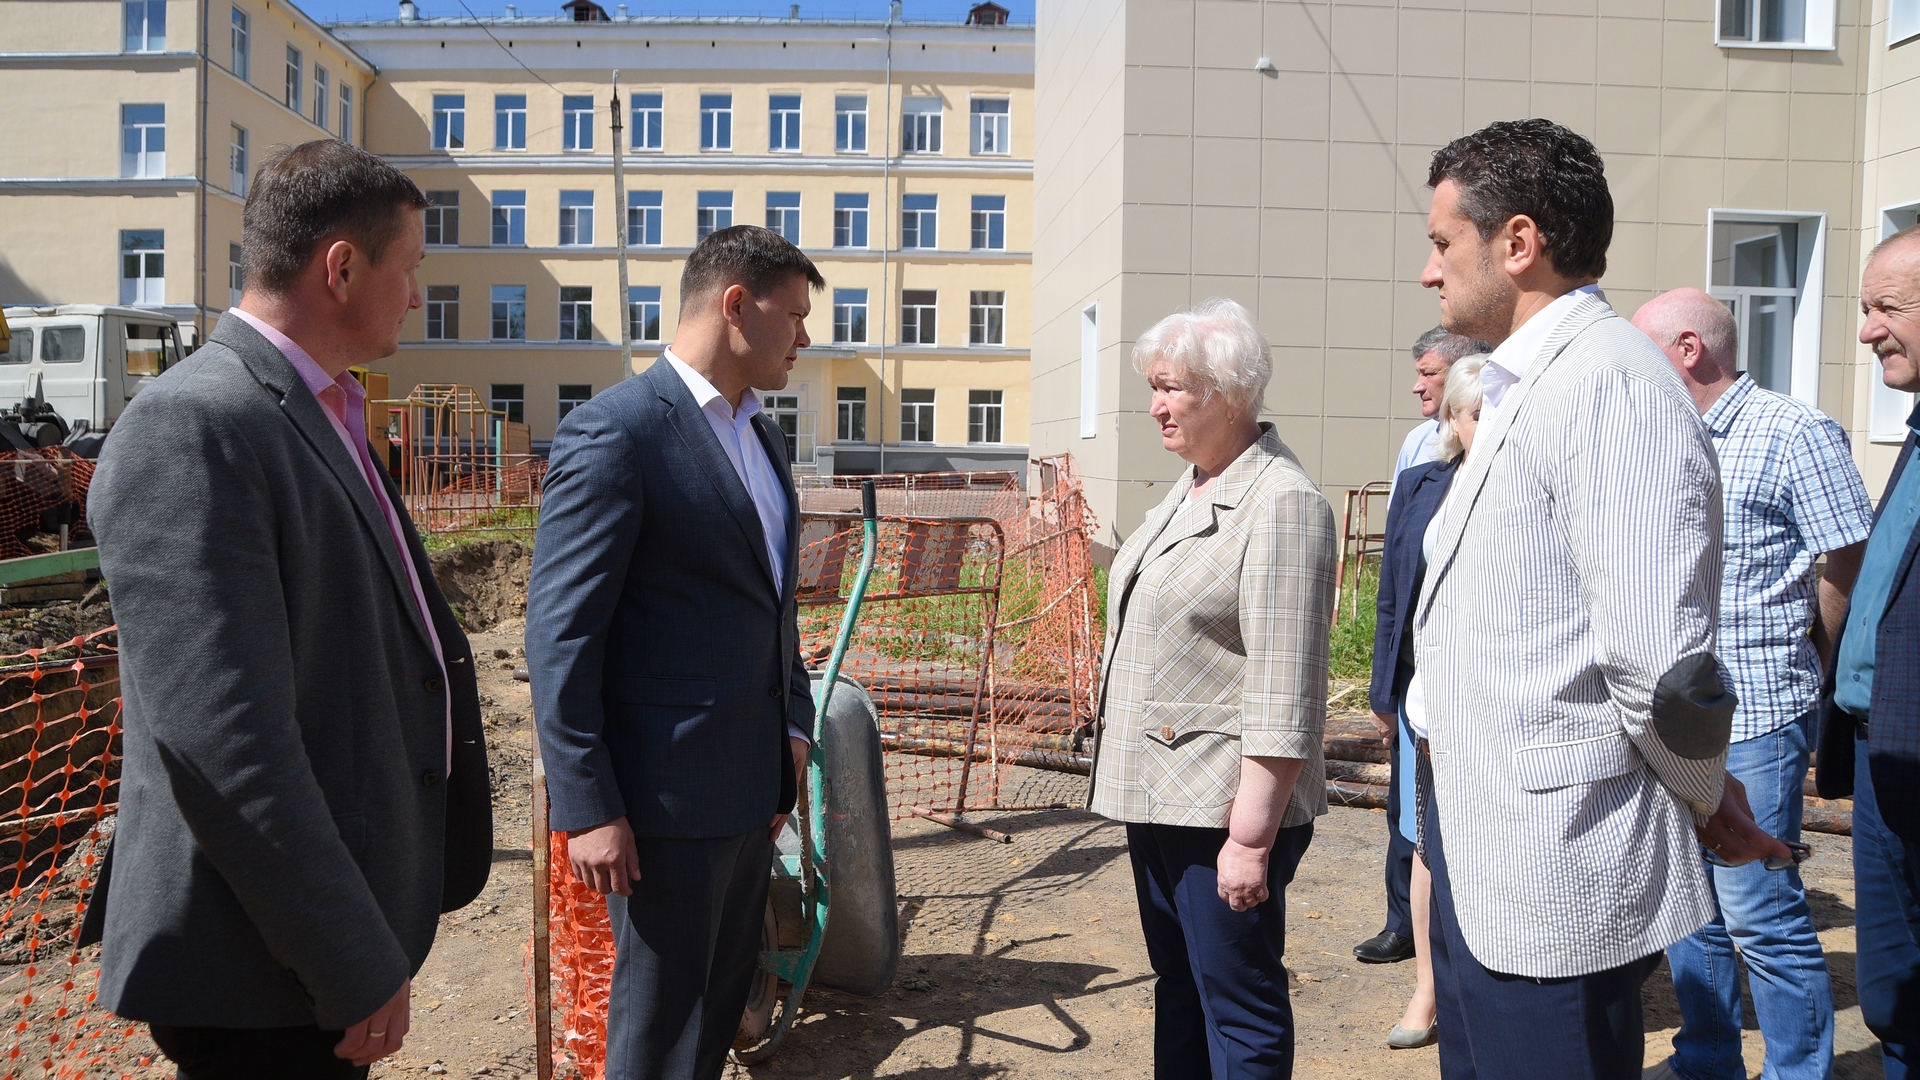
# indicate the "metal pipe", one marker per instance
pixel 886 215
pixel 620 235
pixel 967 827
pixel 542 926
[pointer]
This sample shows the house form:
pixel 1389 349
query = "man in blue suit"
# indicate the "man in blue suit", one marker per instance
pixel 664 650
pixel 1870 738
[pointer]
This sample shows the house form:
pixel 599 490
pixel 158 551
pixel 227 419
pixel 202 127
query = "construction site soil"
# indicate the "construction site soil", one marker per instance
pixel 1021 960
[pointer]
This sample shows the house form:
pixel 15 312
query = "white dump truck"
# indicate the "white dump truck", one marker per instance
pixel 70 369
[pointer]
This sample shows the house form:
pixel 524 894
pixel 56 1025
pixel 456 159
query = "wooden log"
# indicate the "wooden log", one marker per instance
pixel 1359 772
pixel 1363 796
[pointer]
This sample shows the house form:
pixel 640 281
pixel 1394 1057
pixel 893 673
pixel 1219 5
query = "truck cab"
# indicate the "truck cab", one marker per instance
pixel 85 360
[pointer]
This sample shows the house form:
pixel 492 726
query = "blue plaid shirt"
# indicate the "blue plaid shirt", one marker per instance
pixel 1792 494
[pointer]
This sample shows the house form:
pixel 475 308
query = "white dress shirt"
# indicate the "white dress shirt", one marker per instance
pixel 1515 356
pixel 748 455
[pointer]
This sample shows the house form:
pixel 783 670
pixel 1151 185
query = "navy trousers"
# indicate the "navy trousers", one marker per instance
pixel 1495 1026
pixel 1886 922
pixel 1220 1006
pixel 289 1053
pixel 1399 872
pixel 687 943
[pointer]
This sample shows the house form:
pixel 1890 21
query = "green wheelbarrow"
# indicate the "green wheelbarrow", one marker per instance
pixel 832 913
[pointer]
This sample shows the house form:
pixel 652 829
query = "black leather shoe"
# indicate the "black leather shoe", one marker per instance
pixel 1385 947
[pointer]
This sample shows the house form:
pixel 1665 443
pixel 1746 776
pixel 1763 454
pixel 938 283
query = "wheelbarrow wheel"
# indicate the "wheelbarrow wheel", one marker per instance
pixel 764 997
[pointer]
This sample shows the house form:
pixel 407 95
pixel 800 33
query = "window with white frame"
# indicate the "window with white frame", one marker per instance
pixel 238 176
pixel 916 415
pixel 849 316
pixel 1090 371
pixel 443 218
pixel 143 140
pixel 509 313
pixel 783 214
pixel 648 122
pixel 919 221
pixel 572 396
pixel 850 414
pixel 576 122
pixel 509 121
pixel 850 123
pixel 850 220
pixel 713 211
pixel 984 413
pixel 1903 23
pixel 643 312
pixel 986 317
pixel 296 78
pixel 794 423
pixel 509 398
pixel 236 275
pixel 443 313
pixel 917 316
pixel 783 123
pixel 240 58
pixel 322 96
pixel 1776 24
pixel 1762 266
pixel 992 126
pixel 716 121
pixel 576 219
pixel 449 121
pixel 920 125
pixel 509 219
pixel 576 313
pixel 989 222
pixel 346 112
pixel 143 266
pixel 643 218
pixel 146 25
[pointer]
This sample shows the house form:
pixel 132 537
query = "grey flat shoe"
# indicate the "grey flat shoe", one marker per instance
pixel 1413 1039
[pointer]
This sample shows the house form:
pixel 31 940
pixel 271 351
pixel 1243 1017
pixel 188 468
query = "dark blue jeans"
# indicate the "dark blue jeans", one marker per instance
pixel 1220 1008
pixel 1886 923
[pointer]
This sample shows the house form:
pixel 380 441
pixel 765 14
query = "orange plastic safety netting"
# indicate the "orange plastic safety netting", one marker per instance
pixel 59 786
pixel 978 641
pixel 41 491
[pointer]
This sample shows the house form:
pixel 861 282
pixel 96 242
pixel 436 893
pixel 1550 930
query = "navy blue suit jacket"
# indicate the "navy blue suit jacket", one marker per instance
pixel 1893 749
pixel 665 659
pixel 1417 494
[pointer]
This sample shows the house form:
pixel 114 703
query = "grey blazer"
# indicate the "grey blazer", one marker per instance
pixel 288 833
pixel 665 657
pixel 1576 570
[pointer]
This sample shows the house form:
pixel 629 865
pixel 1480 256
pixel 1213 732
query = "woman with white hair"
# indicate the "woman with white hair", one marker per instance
pixel 1214 697
pixel 1418 495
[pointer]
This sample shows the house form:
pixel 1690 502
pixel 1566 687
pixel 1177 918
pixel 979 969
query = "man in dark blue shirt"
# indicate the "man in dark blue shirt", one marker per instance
pixel 1870 743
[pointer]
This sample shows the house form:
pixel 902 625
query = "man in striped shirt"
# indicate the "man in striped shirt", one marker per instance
pixel 1792 494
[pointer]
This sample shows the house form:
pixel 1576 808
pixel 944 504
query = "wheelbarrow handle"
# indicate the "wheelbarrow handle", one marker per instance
pixel 867 511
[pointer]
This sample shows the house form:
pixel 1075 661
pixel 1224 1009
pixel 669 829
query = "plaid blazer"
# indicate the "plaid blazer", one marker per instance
pixel 1217 619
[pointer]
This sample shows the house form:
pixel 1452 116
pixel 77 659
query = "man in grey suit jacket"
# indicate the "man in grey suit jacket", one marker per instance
pixel 664 648
pixel 1577 718
pixel 305 786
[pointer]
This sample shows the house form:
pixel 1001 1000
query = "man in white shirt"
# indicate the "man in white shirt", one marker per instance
pixel 664 651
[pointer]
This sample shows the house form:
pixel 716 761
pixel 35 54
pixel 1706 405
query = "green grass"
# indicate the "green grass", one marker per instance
pixel 1353 634
pixel 514 523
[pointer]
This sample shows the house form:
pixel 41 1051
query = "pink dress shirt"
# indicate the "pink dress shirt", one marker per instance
pixel 344 403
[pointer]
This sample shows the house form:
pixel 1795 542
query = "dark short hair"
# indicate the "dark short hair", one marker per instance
pixel 1449 345
pixel 320 189
pixel 1539 169
pixel 746 255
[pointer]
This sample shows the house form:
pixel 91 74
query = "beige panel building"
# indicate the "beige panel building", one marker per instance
pixel 131 131
pixel 1276 152
pixel 907 180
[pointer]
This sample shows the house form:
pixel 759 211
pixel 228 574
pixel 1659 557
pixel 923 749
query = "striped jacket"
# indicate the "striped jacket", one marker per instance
pixel 1577 562
pixel 1217 618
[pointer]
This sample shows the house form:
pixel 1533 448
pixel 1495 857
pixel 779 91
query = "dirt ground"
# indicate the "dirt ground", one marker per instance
pixel 1021 960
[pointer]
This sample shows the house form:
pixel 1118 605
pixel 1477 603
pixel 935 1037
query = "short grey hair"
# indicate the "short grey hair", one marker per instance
pixel 1449 345
pixel 1463 391
pixel 1217 343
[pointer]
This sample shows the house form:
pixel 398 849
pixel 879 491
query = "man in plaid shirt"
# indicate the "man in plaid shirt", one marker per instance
pixel 1792 494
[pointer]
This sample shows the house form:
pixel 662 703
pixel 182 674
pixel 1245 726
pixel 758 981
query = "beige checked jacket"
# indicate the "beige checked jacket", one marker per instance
pixel 1217 617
